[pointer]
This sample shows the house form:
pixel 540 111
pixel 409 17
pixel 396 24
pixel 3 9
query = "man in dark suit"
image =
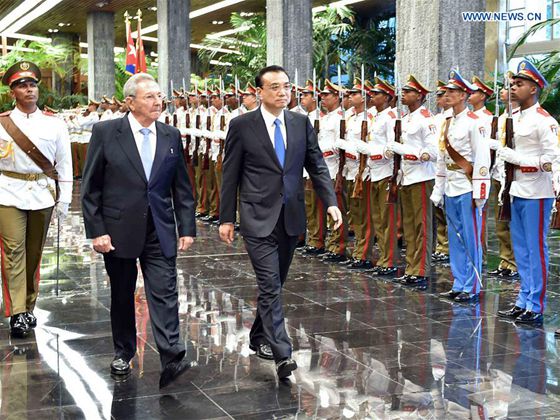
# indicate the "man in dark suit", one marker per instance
pixel 265 154
pixel 135 197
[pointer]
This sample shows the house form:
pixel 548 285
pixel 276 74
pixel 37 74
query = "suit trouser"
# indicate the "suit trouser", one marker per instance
pixel 442 243
pixel 315 213
pixel 530 222
pixel 160 284
pixel 22 237
pixel 360 210
pixel 338 239
pixel 213 192
pixel 201 186
pixel 465 254
pixel 271 257
pixel 507 259
pixel 383 216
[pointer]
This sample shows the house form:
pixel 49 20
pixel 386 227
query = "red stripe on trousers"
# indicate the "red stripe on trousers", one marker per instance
pixel 541 251
pixel 424 235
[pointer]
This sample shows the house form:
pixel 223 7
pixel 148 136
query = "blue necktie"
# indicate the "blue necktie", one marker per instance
pixel 279 142
pixel 146 153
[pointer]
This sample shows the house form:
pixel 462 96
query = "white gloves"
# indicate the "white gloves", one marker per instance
pixel 509 155
pixel 399 148
pixel 340 144
pixel 61 211
pixel 480 203
pixel 362 147
pixel 219 135
pixel 556 182
pixel 494 144
pixel 437 198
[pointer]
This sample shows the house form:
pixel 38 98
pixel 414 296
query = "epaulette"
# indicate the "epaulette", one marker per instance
pixel 340 112
pixel 426 113
pixel 5 114
pixel 543 111
pixel 472 115
pixel 321 114
pixel 370 115
pixel 487 112
pixel 392 114
pixel 48 113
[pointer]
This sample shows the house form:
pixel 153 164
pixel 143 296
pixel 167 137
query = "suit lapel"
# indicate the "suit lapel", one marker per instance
pixel 125 139
pixel 162 141
pixel 262 134
pixel 290 141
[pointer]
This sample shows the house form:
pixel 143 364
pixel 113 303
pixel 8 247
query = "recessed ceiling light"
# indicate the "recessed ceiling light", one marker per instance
pixel 53 30
pixel 153 8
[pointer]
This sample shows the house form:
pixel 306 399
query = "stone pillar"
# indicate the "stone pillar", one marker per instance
pixel 101 55
pixel 69 83
pixel 432 38
pixel 289 36
pixel 174 38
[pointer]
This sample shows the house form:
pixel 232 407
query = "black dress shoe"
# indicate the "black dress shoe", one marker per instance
pixel 511 312
pixel 285 367
pixel 200 215
pixel 507 273
pixel 313 251
pixel 336 258
pixel 465 297
pixel 387 271
pixel 497 272
pixel 348 261
pixel 400 279
pixel 361 265
pixel 452 294
pixel 529 317
pixel 19 328
pixel 120 366
pixel 411 280
pixel 31 320
pixel 263 351
pixel 173 370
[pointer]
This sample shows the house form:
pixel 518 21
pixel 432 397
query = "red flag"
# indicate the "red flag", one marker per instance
pixel 140 54
pixel 130 61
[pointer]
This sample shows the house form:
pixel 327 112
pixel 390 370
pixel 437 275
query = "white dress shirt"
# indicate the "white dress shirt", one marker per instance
pixel 269 122
pixel 135 126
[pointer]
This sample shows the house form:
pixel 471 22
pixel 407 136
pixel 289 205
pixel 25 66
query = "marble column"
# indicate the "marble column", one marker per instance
pixel 101 56
pixel 174 38
pixel 69 83
pixel 432 38
pixel 289 27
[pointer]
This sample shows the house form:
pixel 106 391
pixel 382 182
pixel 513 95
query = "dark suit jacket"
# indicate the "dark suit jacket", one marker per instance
pixel 116 194
pixel 251 165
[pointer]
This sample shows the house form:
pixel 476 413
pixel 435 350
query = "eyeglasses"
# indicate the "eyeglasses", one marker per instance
pixel 151 97
pixel 275 87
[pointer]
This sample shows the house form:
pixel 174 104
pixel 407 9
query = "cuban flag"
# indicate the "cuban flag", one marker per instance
pixel 130 64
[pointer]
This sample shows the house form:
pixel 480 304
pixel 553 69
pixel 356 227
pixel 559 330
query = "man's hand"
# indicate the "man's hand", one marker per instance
pixel 226 233
pixel 336 215
pixel 185 243
pixel 102 244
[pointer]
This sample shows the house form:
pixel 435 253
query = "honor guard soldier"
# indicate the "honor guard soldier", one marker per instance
pixel 329 133
pixel 250 98
pixel 314 209
pixel 441 253
pixel 106 108
pixel 86 121
pixel 507 267
pixel 418 150
pixel 218 136
pixel 382 216
pixel 532 192
pixel 462 177
pixel 34 152
pixel 203 203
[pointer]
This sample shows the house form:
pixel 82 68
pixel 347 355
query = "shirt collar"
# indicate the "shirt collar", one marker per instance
pixel 135 126
pixel 270 118
pixel 18 113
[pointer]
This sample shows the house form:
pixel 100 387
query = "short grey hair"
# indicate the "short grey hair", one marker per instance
pixel 131 85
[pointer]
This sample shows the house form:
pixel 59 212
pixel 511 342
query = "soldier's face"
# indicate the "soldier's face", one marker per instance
pixel 454 97
pixel 329 100
pixel 276 90
pixel 307 100
pixel 410 97
pixel 231 101
pixel 522 89
pixel 26 93
pixel 356 99
pixel 440 101
pixel 379 99
pixel 249 100
pixel 476 98
pixel 216 102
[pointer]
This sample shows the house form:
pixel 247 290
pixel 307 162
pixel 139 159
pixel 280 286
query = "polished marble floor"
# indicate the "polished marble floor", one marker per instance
pixel 366 347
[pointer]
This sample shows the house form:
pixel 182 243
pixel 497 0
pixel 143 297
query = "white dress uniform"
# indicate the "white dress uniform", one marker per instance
pixel 86 124
pixel 379 166
pixel 163 116
pixel 50 135
pixel 107 115
pixel 328 134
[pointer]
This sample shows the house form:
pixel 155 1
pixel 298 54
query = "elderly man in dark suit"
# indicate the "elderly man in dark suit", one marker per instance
pixel 136 196
pixel 265 154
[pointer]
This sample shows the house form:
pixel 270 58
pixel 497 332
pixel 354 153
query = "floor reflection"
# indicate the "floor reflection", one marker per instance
pixel 366 347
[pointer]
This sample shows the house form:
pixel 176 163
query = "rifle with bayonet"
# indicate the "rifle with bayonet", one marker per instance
pixel 222 128
pixel 505 210
pixel 206 162
pixel 316 99
pixel 359 183
pixel 196 126
pixel 392 194
pixel 494 126
pixel 339 182
pixel 187 125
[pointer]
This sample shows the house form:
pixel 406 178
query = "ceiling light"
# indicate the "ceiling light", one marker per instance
pixel 53 31
pixel 153 8
pixel 31 16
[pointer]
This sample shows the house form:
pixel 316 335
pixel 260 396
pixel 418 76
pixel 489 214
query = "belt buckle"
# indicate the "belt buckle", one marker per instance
pixel 32 177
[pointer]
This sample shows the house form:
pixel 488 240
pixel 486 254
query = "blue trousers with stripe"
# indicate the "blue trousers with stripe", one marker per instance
pixel 462 215
pixel 530 221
